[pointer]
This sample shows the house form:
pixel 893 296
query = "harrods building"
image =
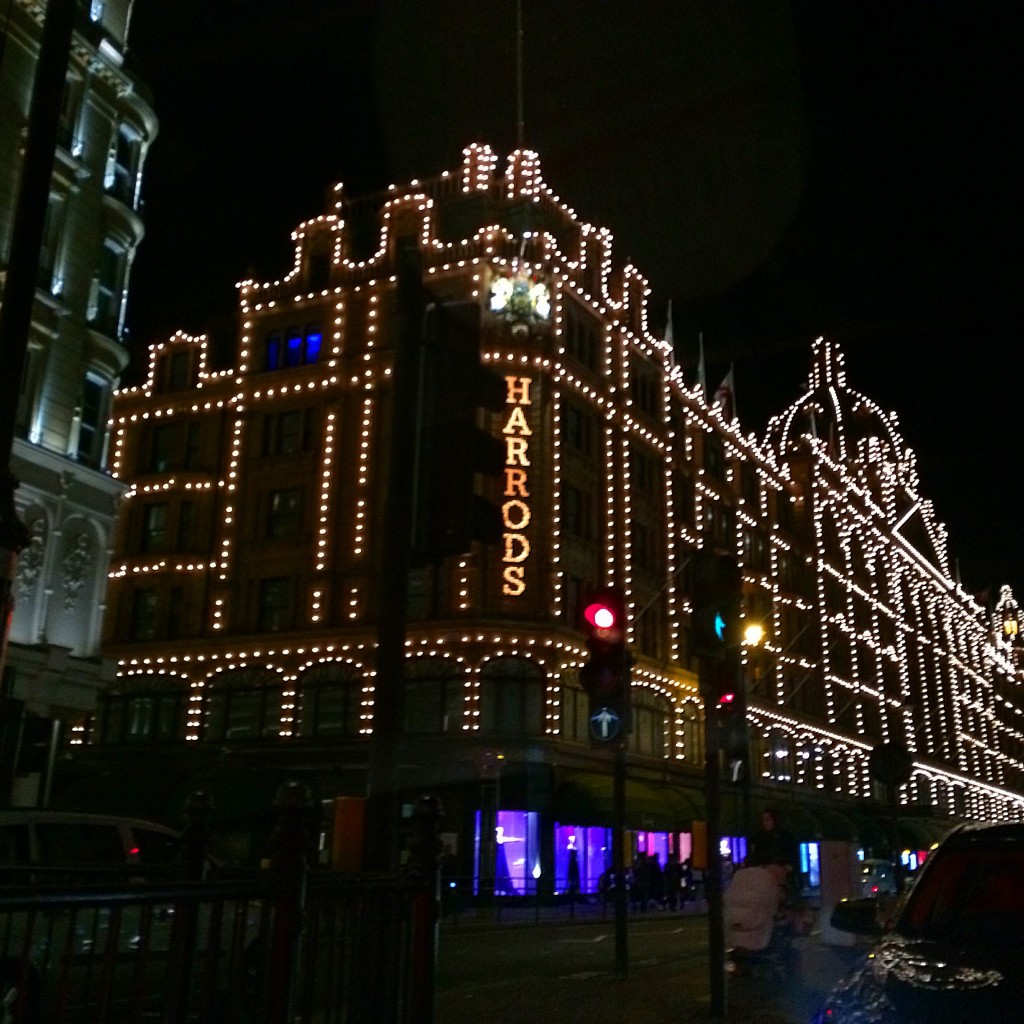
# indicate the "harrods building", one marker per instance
pixel 244 591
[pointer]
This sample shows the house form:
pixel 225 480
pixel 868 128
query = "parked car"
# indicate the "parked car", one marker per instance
pixel 72 842
pixel 42 851
pixel 954 951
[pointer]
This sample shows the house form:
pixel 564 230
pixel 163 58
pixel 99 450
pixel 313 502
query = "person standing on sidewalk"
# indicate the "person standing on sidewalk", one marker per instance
pixel 774 847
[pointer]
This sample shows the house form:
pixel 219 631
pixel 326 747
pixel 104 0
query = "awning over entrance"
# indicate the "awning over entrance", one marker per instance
pixel 586 798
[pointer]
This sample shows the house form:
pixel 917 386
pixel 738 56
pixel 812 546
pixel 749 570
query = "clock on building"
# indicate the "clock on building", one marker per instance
pixel 520 299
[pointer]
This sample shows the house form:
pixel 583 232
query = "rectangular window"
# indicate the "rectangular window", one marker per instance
pixel 176 613
pixel 643 546
pixel 578 432
pixel 107 288
pixel 30 379
pixel 293 348
pixel 193 445
pixel 183 540
pixel 314 342
pixel 286 433
pixel 714 456
pixel 163 451
pixel 642 471
pixel 685 500
pixel 52 231
pixel 143 624
pixel 275 611
pixel 179 373
pixel 574 601
pixel 284 513
pixel 92 420
pixel 121 177
pixel 575 718
pixel 272 351
pixel 154 528
pixel 572 510
pixel 751 487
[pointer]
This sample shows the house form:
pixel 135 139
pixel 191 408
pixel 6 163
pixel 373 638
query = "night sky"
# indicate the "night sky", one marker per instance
pixel 778 171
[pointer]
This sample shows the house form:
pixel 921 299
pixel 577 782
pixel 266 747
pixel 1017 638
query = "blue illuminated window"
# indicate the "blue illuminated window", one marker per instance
pixel 293 350
pixel 314 339
pixel 272 351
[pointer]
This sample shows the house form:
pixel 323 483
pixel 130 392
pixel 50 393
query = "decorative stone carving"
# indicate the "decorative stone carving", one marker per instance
pixel 77 556
pixel 30 561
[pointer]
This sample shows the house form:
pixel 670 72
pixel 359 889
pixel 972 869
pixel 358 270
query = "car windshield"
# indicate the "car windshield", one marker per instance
pixel 975 891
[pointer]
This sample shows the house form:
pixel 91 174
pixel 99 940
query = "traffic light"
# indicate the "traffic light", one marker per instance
pixel 452 448
pixel 730 710
pixel 605 676
pixel 716 599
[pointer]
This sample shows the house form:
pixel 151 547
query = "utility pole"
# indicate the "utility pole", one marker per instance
pixel 20 283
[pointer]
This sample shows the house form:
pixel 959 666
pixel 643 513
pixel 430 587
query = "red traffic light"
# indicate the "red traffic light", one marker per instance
pixel 601 615
pixel 726 699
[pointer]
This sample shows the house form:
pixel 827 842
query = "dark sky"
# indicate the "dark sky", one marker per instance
pixel 778 170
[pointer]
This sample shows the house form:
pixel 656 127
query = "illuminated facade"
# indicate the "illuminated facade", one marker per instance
pixel 244 586
pixel 76 353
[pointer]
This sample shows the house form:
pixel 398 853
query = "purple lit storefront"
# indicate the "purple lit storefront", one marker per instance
pixel 582 854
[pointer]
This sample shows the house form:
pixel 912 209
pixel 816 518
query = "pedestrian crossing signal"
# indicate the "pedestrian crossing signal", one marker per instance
pixel 605 675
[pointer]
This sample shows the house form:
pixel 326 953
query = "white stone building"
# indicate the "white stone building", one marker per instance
pixel 76 353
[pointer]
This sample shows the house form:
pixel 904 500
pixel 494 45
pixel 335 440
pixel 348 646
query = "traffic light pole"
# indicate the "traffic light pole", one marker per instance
pixel 713 872
pixel 619 861
pixel 382 783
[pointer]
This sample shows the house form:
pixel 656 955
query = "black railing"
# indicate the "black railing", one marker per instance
pixel 283 945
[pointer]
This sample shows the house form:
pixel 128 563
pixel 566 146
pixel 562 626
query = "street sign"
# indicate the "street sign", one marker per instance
pixel 605 724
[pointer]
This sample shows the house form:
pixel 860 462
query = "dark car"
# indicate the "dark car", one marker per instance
pixel 955 952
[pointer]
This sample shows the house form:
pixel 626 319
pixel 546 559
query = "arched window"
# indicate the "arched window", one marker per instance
pixel 511 698
pixel 329 701
pixel 242 705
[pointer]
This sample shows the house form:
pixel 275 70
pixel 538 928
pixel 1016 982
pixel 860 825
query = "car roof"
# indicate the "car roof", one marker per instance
pixel 1010 831
pixel 19 815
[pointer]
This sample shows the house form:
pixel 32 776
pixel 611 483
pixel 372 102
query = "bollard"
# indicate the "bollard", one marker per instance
pixel 292 845
pixel 192 855
pixel 195 836
pixel 423 869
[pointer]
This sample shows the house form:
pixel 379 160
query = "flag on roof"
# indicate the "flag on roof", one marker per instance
pixel 725 396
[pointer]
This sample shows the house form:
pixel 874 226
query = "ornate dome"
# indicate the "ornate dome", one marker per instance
pixel 844 420
pixel 860 438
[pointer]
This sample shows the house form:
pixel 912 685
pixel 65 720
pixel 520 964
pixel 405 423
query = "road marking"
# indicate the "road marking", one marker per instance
pixel 584 942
